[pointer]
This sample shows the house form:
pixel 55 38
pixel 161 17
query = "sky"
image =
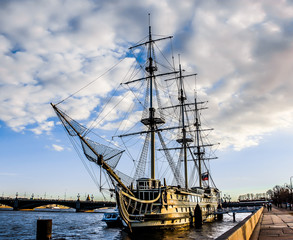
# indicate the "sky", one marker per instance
pixel 241 50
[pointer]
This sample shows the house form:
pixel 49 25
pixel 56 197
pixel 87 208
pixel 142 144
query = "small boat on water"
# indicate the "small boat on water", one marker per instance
pixel 112 219
pixel 171 186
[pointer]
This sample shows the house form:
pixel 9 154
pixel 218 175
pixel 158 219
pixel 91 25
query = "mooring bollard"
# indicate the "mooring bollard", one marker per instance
pixel 44 229
pixel 197 217
pixel 219 215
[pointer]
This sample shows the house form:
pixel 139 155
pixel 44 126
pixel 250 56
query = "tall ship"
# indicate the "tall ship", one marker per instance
pixel 153 151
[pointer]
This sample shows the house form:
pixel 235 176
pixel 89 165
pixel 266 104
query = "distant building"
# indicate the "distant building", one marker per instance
pixel 253 197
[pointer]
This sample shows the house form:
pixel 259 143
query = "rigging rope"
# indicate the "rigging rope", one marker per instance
pixel 140 168
pixel 75 146
pixel 177 175
pixel 92 126
pixel 171 67
pixel 110 69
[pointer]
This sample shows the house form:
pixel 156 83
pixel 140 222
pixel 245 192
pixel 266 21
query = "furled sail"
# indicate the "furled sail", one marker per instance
pixel 91 149
pixel 104 156
pixel 110 155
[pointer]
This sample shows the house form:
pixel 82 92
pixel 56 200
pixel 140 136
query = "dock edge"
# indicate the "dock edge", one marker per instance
pixel 244 229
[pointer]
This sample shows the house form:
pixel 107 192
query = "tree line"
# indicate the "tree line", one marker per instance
pixel 280 195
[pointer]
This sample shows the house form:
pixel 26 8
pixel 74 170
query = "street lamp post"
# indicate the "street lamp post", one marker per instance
pixel 225 198
pixel 286 199
pixel 291 191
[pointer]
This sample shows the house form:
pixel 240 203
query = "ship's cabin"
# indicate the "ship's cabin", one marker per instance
pixel 198 190
pixel 147 184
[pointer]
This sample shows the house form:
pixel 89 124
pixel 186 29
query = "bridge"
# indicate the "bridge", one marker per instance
pixel 30 204
pixel 239 207
pixel 244 203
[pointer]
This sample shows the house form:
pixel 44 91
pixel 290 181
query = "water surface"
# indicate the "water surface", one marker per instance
pixel 21 225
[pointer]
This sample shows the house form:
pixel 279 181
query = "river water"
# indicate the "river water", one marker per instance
pixel 21 225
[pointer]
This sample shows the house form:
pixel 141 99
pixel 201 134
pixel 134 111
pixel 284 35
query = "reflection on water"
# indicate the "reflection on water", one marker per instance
pixel 70 225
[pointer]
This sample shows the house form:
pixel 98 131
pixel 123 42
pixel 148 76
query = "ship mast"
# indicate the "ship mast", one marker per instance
pixel 151 121
pixel 198 153
pixel 182 98
pixel 151 69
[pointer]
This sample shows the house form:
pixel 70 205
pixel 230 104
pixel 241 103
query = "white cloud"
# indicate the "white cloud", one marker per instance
pixel 241 50
pixel 244 69
pixel 43 127
pixel 248 15
pixel 57 148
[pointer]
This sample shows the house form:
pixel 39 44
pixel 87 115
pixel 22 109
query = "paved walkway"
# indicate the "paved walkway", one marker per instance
pixel 276 224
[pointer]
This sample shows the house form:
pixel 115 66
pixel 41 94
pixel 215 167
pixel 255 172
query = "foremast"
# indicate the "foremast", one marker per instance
pixel 151 69
pixel 152 120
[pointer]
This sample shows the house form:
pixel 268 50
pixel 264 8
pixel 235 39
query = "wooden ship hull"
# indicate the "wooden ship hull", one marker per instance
pixel 166 207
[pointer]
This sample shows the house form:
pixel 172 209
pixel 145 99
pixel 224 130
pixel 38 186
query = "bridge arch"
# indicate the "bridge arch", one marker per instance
pixel 5 206
pixel 21 203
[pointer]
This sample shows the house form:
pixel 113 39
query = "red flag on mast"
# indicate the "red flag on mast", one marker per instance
pixel 205 176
